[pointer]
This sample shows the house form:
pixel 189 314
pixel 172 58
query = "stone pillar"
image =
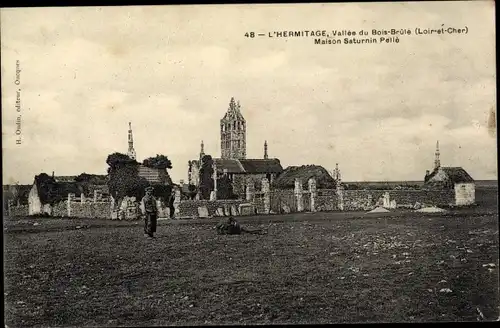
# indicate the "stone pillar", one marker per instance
pixel 9 205
pixel 267 195
pixel 250 190
pixel 340 188
pixel 70 199
pixel 313 192
pixel 190 172
pixel 82 198
pixel 215 182
pixel 387 200
pixel 177 201
pixel 340 196
pixel 298 195
pixel 114 213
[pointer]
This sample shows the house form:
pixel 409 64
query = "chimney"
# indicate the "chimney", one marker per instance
pixel 52 173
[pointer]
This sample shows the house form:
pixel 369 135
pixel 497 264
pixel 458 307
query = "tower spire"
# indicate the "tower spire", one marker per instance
pixel 233 132
pixel 265 150
pixel 131 150
pixel 437 162
pixel 202 150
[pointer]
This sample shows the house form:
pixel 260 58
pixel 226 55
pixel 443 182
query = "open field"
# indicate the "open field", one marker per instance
pixel 309 268
pixel 480 184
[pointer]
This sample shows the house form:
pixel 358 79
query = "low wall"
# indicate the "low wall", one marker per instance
pixel 360 199
pixel 326 200
pixel 189 208
pixel 21 210
pixel 60 209
pixel 91 210
pixel 281 199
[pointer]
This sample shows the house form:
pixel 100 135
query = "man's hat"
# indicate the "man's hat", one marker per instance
pixel 149 189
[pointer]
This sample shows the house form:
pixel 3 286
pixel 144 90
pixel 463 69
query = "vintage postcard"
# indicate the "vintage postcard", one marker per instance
pixel 250 164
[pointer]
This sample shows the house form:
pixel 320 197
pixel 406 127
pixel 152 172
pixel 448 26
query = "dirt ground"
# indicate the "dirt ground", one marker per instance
pixel 308 268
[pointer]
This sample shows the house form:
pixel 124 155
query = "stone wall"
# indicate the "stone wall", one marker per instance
pixel 363 199
pixel 283 201
pixel 60 209
pixel 21 210
pixel 326 200
pixel 189 208
pixel 91 210
pixel 240 181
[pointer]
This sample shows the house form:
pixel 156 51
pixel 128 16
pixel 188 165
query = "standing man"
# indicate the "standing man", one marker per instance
pixel 171 207
pixel 150 212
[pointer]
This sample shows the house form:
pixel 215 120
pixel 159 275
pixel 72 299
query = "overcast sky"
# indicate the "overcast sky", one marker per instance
pixel 376 109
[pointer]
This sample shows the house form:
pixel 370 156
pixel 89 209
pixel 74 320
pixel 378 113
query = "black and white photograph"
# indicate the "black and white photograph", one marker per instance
pixel 249 164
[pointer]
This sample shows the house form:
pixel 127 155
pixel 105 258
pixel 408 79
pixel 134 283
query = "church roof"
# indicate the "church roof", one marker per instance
pixel 261 165
pixel 231 165
pixel 248 166
pixel 449 175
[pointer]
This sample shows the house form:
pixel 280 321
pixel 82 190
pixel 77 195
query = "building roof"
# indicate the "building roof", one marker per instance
pixel 154 175
pixel 449 175
pixel 246 166
pixel 53 192
pixel 261 165
pixel 231 165
pixel 286 180
pixel 65 178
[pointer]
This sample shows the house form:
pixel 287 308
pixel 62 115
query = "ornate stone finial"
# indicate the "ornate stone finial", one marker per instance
pixel 437 162
pixel 131 151
pixel 232 104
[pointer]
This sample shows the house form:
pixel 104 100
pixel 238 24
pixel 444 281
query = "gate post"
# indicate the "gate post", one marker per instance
pixel 313 191
pixel 298 195
pixel 267 196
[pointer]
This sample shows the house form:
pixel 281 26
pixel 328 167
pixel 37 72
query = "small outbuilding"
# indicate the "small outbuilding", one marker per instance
pixel 454 178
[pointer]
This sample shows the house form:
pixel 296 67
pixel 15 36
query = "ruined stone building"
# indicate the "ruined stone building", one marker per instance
pixel 233 161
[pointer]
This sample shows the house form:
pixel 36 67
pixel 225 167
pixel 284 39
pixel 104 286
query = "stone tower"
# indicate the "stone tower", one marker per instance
pixel 437 162
pixel 131 151
pixel 233 133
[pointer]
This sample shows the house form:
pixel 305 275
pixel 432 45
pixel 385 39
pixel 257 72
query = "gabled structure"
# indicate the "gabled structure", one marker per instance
pixel 286 180
pixel 45 193
pixel 455 178
pixel 154 175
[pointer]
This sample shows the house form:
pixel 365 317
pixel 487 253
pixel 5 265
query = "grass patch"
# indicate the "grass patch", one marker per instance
pixel 313 268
